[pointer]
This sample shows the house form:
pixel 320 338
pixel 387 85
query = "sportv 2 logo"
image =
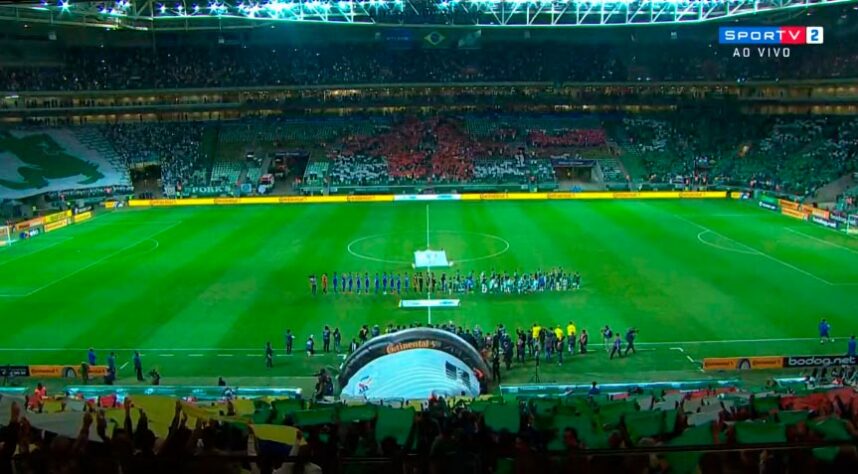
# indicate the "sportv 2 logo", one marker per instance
pixel 767 37
pixel 771 35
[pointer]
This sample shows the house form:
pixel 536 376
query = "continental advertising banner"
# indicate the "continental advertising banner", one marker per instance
pixel 56 225
pixel 822 213
pixel 226 201
pixel 743 363
pixel 793 213
pixel 787 204
pixel 50 371
pixel 37 221
pixel 366 198
pixel 57 217
pixel 83 216
pixel 776 362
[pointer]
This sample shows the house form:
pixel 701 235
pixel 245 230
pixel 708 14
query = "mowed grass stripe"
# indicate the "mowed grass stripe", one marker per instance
pixel 282 288
pixel 237 276
pixel 140 292
pixel 651 273
pixel 76 304
pixel 204 295
pixel 765 289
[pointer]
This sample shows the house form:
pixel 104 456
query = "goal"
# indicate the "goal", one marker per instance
pixel 851 227
pixel 5 235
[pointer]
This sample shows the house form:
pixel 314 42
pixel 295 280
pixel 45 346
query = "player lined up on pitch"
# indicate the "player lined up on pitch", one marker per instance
pixel 492 282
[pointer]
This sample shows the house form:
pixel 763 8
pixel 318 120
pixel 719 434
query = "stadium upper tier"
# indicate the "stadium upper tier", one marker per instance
pixel 184 14
pixel 194 67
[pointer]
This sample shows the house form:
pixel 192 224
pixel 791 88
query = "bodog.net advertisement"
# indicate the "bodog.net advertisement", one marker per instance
pixel 777 362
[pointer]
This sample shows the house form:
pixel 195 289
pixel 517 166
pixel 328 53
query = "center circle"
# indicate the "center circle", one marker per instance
pixel 460 246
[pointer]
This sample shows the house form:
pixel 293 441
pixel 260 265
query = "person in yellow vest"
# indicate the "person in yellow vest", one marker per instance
pixel 571 336
pixel 534 343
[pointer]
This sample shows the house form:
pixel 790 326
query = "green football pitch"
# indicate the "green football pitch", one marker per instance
pixel 200 290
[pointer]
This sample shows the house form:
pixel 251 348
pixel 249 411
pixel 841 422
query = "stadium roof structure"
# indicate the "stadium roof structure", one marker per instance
pixel 178 15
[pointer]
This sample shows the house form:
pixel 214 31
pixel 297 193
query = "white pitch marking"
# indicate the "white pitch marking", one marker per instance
pixel 225 355
pixel 726 249
pixel 673 345
pixel 427 227
pixel 166 355
pixel 726 341
pixel 428 294
pixel 760 253
pixel 195 355
pixel 822 240
pixel 353 253
pixel 33 253
pixel 123 366
pixel 92 264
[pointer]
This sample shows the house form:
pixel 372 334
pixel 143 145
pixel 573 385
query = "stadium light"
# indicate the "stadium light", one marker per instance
pixel 217 8
pixel 608 13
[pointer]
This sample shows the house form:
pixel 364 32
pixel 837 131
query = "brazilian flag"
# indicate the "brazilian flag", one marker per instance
pixel 436 39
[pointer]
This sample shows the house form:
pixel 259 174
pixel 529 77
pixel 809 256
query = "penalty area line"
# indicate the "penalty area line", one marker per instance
pixel 697 364
pixel 100 260
pixel 822 241
pixel 752 249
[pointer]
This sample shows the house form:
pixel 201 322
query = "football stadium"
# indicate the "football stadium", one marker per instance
pixel 424 236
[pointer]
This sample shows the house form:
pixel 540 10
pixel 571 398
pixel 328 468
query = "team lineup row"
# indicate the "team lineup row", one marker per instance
pixel 432 282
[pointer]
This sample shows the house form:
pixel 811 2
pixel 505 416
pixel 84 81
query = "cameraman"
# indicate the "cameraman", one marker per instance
pixel 156 376
pixel 631 334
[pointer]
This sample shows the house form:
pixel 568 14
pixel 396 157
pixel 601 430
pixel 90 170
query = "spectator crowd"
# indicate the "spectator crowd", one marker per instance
pixel 772 429
pixel 122 68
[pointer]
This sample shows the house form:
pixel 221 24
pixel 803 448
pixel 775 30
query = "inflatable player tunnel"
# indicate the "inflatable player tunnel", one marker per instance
pixel 414 363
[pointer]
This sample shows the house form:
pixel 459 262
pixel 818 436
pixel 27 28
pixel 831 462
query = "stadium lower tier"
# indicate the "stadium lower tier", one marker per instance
pixel 672 430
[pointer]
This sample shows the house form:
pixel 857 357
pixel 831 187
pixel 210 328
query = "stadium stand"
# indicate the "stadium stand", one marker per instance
pixel 316 173
pixel 41 160
pixel 435 150
pixel 794 156
pixel 230 66
pixel 358 171
pixel 790 155
pixel 175 147
pixel 670 430
pixel 513 170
